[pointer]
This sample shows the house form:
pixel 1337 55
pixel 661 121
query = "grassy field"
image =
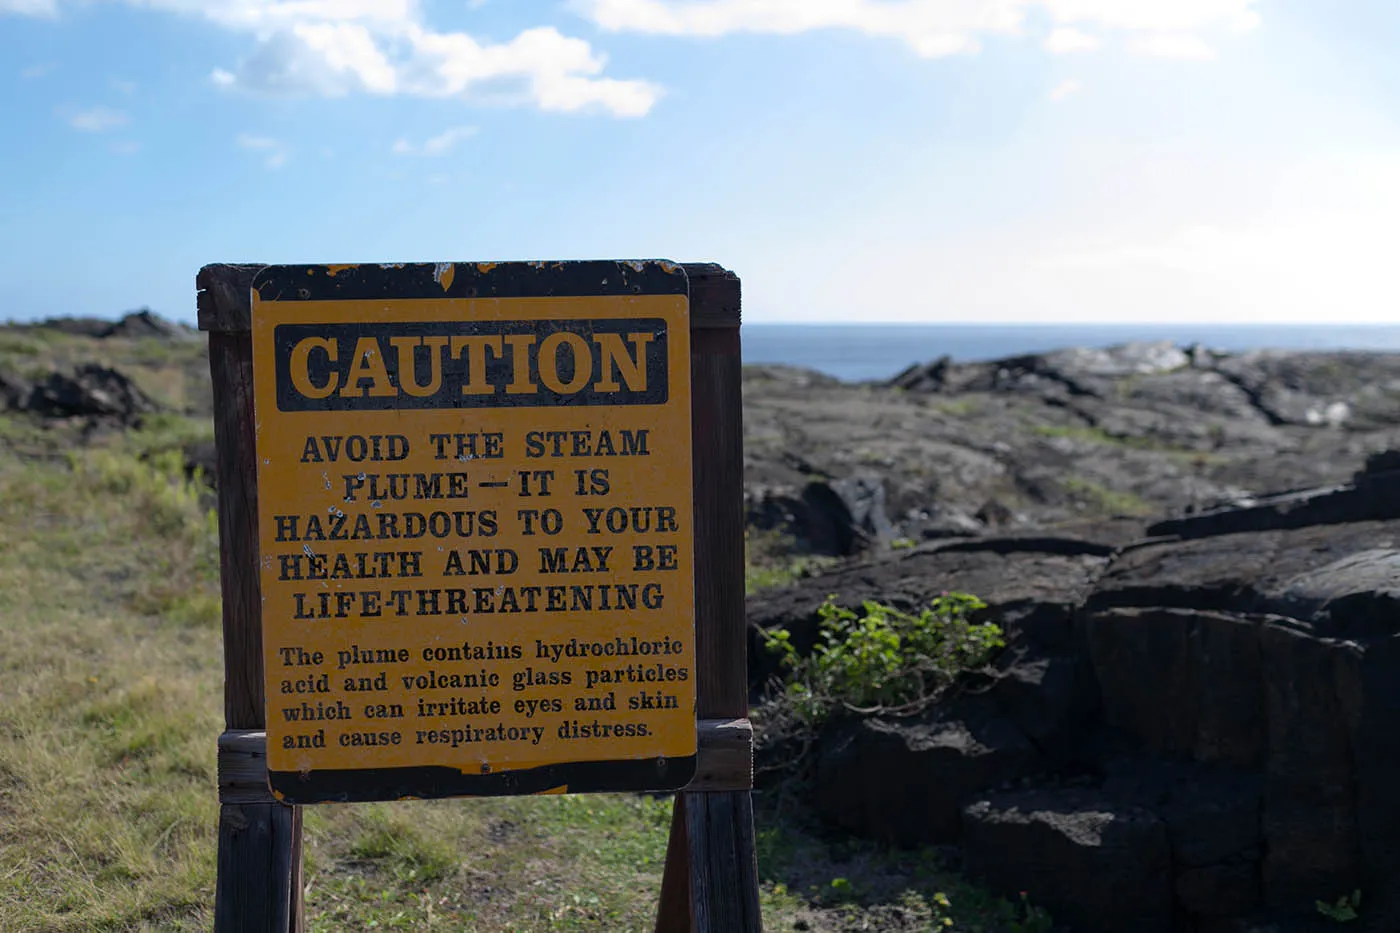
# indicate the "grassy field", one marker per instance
pixel 110 704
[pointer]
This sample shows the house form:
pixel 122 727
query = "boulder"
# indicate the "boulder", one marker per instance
pixel 1181 682
pixel 202 460
pixel 140 323
pixel 144 323
pixel 1371 705
pixel 938 521
pixel 1229 889
pixel 1238 571
pixel 1095 864
pixel 1369 497
pixel 1290 667
pixel 1356 596
pixel 1052 700
pixel 92 391
pixel 1310 817
pixel 834 518
pixel 1318 389
pixel 14 392
pixel 76 326
pixel 905 780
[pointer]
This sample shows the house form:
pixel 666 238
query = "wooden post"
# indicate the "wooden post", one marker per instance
pixel 710 882
pixel 259 862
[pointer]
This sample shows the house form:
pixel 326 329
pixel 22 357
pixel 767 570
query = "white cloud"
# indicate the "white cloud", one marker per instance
pixel 1065 88
pixel 274 152
pixel 1173 45
pixel 932 28
pixel 331 48
pixel 1156 15
pixel 1067 40
pixel 324 60
pixel 440 144
pixel 97 120
pixel 29 7
pixel 541 65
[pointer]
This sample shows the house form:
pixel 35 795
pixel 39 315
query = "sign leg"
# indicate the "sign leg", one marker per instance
pixel 259 862
pixel 723 862
pixel 255 892
pixel 673 914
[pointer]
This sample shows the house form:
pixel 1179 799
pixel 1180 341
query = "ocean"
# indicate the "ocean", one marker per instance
pixel 857 352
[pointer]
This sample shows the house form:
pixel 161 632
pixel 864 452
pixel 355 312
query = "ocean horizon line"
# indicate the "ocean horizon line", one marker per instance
pixel 864 352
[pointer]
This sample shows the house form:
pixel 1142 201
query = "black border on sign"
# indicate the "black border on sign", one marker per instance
pixel 408 281
pixel 572 279
pixel 434 782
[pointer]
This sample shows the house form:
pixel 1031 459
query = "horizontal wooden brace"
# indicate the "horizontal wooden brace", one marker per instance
pixel 724 756
pixel 243 767
pixel 724 761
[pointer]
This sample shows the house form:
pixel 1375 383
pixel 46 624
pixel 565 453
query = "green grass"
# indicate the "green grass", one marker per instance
pixel 108 711
pixel 958 407
pixel 1086 434
pixel 1106 501
pixel 111 703
pixel 769 561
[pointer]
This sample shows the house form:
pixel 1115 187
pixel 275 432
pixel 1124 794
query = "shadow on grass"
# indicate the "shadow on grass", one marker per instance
pixel 820 879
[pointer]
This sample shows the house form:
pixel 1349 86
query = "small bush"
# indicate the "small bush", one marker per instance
pixel 882 658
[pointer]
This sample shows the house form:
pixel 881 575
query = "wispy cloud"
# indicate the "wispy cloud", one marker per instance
pixel 932 28
pixel 1173 45
pixel 1065 88
pixel 34 72
pixel 30 7
pixel 1067 40
pixel 124 88
pixel 438 145
pixel 335 48
pixel 97 120
pixel 389 48
pixel 126 147
pixel 274 152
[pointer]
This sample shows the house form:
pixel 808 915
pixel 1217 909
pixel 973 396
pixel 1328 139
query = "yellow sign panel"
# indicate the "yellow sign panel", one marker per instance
pixel 476 539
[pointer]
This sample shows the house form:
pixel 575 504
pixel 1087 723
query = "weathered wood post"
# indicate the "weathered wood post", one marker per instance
pixel 259 873
pixel 711 876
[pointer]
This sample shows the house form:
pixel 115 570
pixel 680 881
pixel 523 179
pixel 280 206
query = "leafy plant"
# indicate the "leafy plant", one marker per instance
pixel 1344 910
pixel 883 658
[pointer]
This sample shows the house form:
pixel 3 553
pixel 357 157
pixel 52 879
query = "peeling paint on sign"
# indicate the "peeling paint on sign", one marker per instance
pixel 444 274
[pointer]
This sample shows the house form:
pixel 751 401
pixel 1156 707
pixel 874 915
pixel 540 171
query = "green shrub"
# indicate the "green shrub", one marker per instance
pixel 1344 911
pixel 882 658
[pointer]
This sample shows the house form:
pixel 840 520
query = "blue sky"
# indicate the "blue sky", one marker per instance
pixel 1052 161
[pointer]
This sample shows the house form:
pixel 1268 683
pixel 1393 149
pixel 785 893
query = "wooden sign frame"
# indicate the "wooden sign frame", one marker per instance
pixel 710 880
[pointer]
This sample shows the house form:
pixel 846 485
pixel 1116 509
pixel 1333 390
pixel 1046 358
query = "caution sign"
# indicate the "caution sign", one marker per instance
pixel 474 517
